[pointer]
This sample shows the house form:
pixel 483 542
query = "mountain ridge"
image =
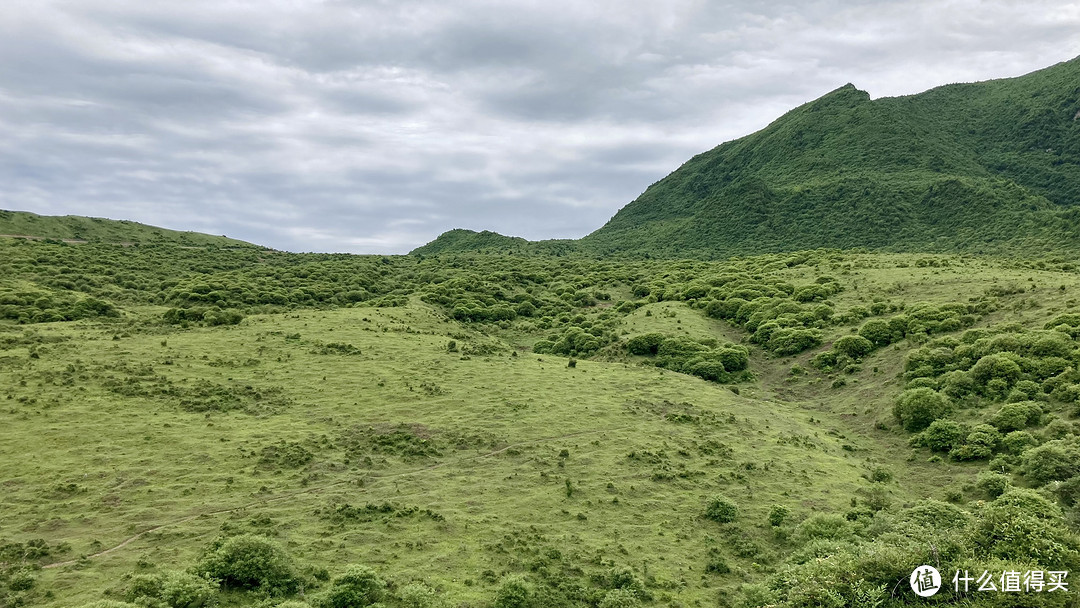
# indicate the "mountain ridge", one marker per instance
pixel 984 167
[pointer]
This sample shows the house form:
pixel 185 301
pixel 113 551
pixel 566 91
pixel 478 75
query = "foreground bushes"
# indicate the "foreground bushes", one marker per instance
pixel 857 566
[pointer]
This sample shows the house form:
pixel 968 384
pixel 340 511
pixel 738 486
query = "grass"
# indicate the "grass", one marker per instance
pixel 352 434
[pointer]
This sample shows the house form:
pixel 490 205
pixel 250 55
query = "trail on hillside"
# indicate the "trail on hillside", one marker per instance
pixel 318 489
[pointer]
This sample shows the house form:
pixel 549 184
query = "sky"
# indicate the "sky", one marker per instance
pixel 372 127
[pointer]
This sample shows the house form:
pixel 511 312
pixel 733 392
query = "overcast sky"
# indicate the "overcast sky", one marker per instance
pixel 372 127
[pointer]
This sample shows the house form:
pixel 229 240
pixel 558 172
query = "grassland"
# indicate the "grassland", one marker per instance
pixel 414 429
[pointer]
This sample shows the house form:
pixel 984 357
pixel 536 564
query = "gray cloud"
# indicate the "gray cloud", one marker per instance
pixel 373 126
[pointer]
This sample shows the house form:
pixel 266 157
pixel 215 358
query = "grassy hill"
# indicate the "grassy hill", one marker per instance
pixel 100 230
pixel 231 427
pixel 984 167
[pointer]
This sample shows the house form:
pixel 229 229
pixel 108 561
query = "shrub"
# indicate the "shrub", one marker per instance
pixel 1017 442
pixel 358 586
pixel 777 515
pixel 709 370
pixel 936 515
pixel 995 367
pixel 721 510
pixel 1029 388
pixel 855 347
pixel 878 332
pixel 1015 416
pixel 992 483
pixel 1069 491
pixel 250 562
pixel 1022 523
pixel 734 358
pixel 645 344
pixel 829 526
pixel 1055 460
pixel 791 340
pixel 620 598
pixel 417 595
pixel 514 592
pixel 917 408
pixel 942 435
pixel 624 578
pixel 957 383
pixel 979 443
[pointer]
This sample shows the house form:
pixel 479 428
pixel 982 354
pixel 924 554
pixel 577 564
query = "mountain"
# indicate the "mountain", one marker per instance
pixel 984 167
pixel 100 230
pixel 459 239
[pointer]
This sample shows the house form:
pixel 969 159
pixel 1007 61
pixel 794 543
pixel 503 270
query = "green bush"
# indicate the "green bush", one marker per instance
pixel 514 592
pixel 1022 523
pixel 173 589
pixel 878 332
pixel 777 515
pixel 645 344
pixel 957 384
pixel 992 483
pixel 1017 442
pixel 721 510
pixel 942 435
pixel 250 562
pixel 620 598
pixel 995 367
pixel 980 443
pixel 828 526
pixel 790 340
pixel 918 407
pixel 358 586
pixel 855 347
pixel 734 358
pixel 1016 416
pixel 417 595
pixel 709 370
pixel 1055 460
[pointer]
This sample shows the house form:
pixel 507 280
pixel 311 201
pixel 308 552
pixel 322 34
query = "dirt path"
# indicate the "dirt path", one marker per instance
pixel 264 501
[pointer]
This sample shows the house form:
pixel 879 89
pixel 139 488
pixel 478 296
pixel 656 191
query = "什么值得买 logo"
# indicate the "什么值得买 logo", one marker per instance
pixel 925 581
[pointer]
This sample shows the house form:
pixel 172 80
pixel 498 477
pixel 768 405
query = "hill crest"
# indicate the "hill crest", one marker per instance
pixel 986 167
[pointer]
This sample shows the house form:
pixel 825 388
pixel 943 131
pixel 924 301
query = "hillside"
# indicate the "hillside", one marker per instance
pixel 77 228
pixel 984 167
pixel 221 427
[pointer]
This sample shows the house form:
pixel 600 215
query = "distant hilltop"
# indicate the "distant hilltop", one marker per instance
pixel 78 229
pixel 989 167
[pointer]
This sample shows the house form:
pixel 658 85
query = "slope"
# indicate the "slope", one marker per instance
pixel 100 230
pixel 969 167
pixel 984 167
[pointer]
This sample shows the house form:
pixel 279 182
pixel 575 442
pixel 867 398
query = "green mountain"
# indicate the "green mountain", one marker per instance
pixel 983 167
pixel 77 228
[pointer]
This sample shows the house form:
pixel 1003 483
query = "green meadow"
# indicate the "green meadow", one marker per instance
pixel 499 431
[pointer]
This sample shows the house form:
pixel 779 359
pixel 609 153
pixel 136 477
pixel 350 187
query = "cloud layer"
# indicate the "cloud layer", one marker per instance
pixel 371 127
